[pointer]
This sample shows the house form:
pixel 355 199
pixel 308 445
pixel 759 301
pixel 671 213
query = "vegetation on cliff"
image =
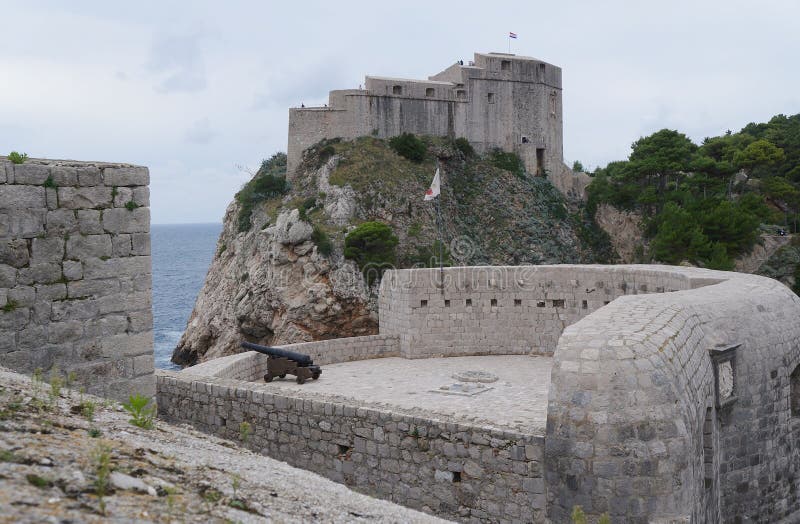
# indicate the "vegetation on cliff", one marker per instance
pixel 704 204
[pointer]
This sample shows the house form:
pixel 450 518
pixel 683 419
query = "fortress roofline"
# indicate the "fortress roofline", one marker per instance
pixel 512 56
pixel 415 80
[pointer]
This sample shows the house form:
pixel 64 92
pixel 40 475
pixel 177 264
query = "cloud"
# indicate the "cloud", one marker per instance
pixel 309 86
pixel 177 61
pixel 200 132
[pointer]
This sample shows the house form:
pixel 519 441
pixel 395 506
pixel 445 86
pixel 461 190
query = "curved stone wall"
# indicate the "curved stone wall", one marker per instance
pixel 636 427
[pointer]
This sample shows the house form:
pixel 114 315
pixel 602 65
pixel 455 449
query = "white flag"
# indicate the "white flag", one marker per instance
pixel 433 191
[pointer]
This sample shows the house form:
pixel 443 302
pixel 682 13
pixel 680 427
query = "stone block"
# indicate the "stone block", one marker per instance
pixel 8 340
pixel 47 273
pixel 126 176
pixel 89 222
pixel 74 310
pixel 85 247
pixel 139 321
pixel 124 302
pixel 92 288
pixel 141 195
pixel 50 292
pixel 143 364
pixel 64 176
pixel 48 249
pixel 121 245
pixel 72 270
pixel 127 345
pixel 84 197
pixel 122 220
pixel 51 197
pixel 89 176
pixel 62 332
pixel 116 267
pixel 23 296
pixel 33 174
pixel 15 319
pixel 22 197
pixel 31 337
pixel 6 172
pixel 8 276
pixel 23 223
pixel 106 326
pixel 123 196
pixel 61 221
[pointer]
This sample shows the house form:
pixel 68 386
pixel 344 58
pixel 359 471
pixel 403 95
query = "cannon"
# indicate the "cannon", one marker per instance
pixel 282 362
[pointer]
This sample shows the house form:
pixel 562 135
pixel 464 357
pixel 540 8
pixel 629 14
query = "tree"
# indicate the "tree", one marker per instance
pixel 372 246
pixel 578 167
pixel 760 153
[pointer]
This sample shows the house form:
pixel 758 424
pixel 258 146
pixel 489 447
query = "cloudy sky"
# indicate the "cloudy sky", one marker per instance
pixel 199 91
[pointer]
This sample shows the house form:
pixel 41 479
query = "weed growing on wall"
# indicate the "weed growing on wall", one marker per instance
pixel 142 416
pixel 17 158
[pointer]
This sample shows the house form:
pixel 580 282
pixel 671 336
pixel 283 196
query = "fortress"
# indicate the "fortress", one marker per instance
pixel 496 101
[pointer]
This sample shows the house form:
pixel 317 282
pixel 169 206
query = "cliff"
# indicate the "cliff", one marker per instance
pixel 281 276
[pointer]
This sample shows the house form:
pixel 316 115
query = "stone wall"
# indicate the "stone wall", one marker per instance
pixel 454 470
pixel 643 424
pixel 75 276
pixel 504 310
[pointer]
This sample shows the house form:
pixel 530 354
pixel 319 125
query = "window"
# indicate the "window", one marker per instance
pixel 584 304
pixel 505 65
pixel 794 388
pixel 525 139
pixel 490 96
pixel 540 303
pixel 517 302
pixel 446 303
pixel 397 90
pixel 708 448
pixel 423 303
pixel 430 92
pixel 559 302
pixel 469 302
pixel 461 94
pixel 494 302
pixel 553 104
pixel 541 72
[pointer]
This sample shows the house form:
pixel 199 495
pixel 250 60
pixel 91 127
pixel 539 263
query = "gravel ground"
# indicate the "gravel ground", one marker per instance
pixel 51 470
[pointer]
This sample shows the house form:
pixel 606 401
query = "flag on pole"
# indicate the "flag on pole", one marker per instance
pixel 512 35
pixel 434 190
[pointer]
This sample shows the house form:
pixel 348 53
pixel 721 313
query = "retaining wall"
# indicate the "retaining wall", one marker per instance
pixel 75 273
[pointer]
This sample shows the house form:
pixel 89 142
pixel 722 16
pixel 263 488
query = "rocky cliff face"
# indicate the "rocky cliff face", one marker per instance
pixel 285 279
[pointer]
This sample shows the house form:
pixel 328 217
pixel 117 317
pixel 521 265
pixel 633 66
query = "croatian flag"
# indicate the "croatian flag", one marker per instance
pixel 434 190
pixel 512 35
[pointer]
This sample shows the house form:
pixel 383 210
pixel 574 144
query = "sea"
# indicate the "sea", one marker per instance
pixel 181 255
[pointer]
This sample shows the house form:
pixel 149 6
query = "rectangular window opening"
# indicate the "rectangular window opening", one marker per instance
pixel 397 90
pixel 540 303
pixel 469 302
pixel 456 476
pixel 494 302
pixel 505 65
pixel 584 304
pixel 423 303
pixel 461 94
pixel 517 302
pixel 343 449
pixel 490 97
pixel 446 303
pixel 559 302
pixel 430 92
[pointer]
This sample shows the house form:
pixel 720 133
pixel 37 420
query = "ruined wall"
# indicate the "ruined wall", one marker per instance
pixel 75 275
pixel 503 310
pixel 454 470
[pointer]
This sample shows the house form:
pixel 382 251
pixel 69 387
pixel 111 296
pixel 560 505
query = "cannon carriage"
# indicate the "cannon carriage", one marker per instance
pixel 282 362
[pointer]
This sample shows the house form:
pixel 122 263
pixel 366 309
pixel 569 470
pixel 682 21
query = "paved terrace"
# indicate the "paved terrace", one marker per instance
pixel 517 400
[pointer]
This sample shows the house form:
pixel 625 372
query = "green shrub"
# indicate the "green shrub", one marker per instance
pixel 17 158
pixel 428 256
pixel 322 241
pixel 508 161
pixel 50 183
pixel 130 205
pixel 372 246
pixel 308 204
pixel 578 167
pixel 325 153
pixel 142 416
pixel 463 145
pixel 10 306
pixel 269 182
pixel 409 146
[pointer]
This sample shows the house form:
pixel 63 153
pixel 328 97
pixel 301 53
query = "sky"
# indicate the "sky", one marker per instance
pixel 199 91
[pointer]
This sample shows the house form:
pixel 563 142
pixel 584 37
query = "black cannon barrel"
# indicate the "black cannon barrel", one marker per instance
pixel 301 359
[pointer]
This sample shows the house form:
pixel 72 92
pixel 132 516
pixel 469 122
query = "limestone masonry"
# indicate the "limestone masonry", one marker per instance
pixel 75 277
pixel 496 101
pixel 673 395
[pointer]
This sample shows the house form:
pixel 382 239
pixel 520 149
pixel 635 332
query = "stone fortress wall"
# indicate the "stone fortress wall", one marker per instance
pixel 674 396
pixel 75 275
pixel 498 101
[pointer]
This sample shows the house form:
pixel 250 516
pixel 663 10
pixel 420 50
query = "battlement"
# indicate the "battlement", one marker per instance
pixel 497 100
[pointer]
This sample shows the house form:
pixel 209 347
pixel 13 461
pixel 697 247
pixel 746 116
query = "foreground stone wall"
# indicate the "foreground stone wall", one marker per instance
pixel 504 310
pixel 454 470
pixel 75 273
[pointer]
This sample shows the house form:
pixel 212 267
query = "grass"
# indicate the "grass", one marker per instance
pixel 38 481
pixel 50 183
pixel 10 306
pixel 130 205
pixel 101 459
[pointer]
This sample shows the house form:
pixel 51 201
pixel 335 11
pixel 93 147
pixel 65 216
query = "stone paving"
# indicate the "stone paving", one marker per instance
pixel 518 399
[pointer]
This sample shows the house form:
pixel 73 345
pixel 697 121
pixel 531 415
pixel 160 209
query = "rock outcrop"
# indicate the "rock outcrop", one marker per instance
pixel 624 229
pixel 275 284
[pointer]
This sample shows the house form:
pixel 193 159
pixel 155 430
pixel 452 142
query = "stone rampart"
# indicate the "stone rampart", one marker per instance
pixel 75 275
pixel 454 470
pixel 505 310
